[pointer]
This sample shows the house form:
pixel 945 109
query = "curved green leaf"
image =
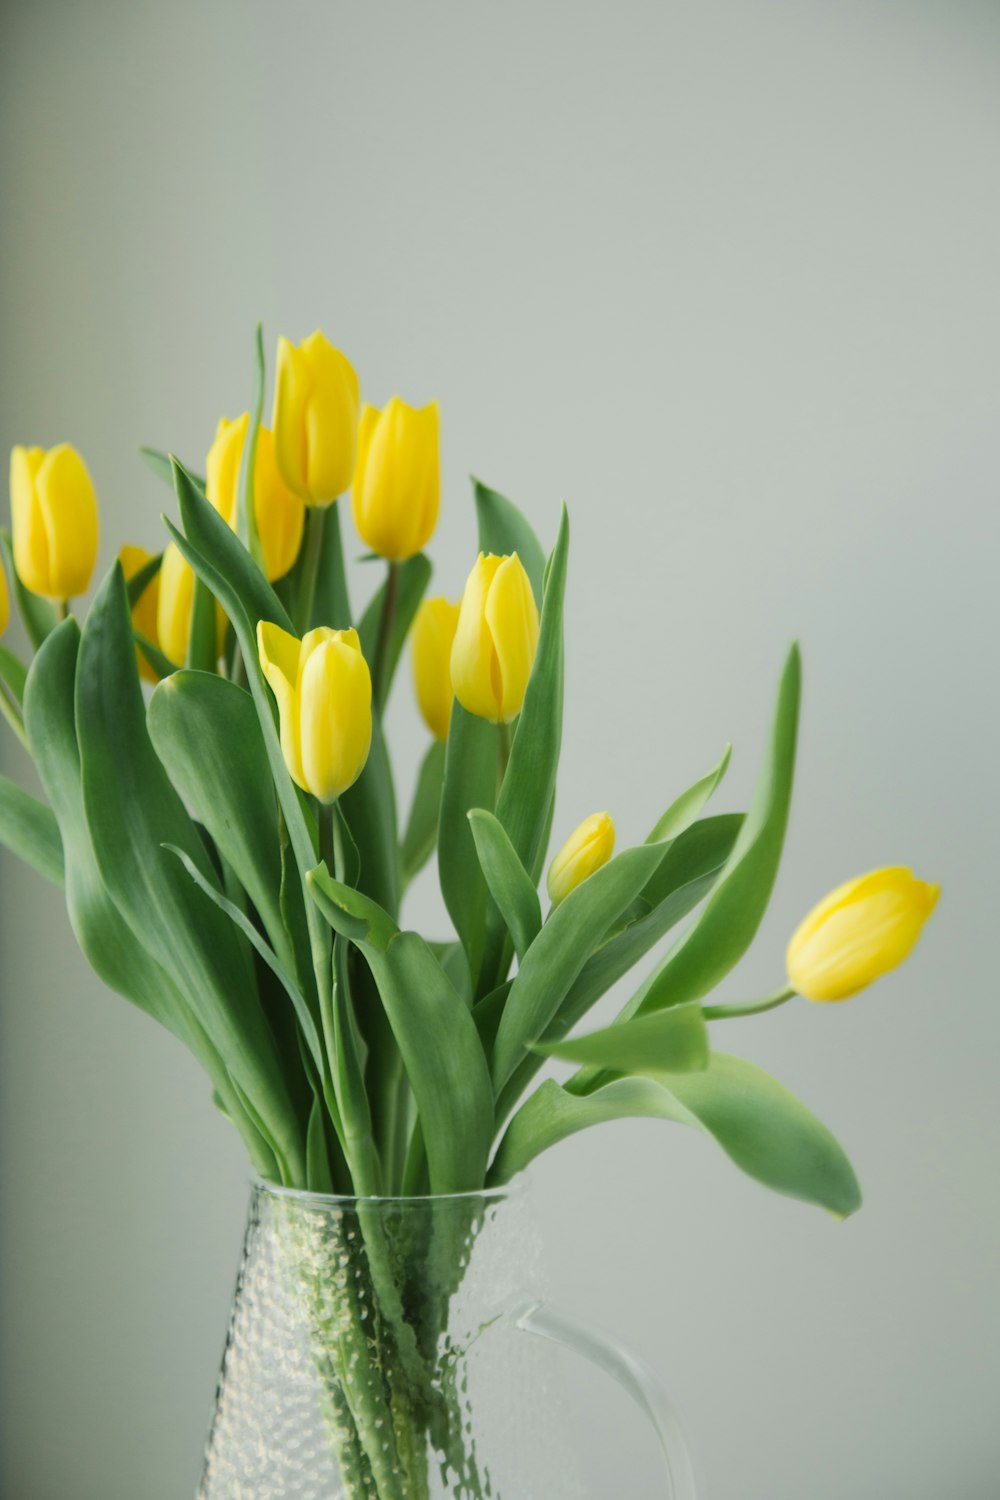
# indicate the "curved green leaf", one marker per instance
pixel 13 672
pixel 38 615
pixel 28 828
pixel 246 507
pixel 668 1041
pixel 420 838
pixel 470 775
pixel 510 885
pixel 761 1127
pixel 682 812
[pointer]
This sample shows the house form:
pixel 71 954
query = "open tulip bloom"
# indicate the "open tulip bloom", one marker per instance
pixel 233 862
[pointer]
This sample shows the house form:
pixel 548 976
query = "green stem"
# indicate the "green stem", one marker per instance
pixel 504 742
pixel 315 526
pixel 62 608
pixel 380 686
pixel 751 1008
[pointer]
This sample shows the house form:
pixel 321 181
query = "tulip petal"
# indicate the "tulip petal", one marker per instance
pixel 512 618
pixel 31 541
pixel 859 932
pixel 432 639
pixel 68 508
pixel 335 715
pixel 473 658
pixel 291 396
pixel 174 606
pixel 280 655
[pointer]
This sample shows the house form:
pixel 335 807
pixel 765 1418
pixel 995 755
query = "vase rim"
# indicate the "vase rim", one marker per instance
pixel 512 1189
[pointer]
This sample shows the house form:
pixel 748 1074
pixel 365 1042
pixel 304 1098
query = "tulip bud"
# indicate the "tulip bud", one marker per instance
pixel 397 482
pixel 585 851
pixel 175 606
pixel 432 640
pixel 859 932
pixel 495 639
pixel 324 694
pixel 144 610
pixel 279 512
pixel 54 515
pixel 4 601
pixel 315 419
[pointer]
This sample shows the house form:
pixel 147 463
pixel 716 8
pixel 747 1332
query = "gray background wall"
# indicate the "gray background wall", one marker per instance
pixel 725 276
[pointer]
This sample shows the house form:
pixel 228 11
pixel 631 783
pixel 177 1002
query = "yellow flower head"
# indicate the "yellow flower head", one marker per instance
pixel 324 694
pixel 859 932
pixel 397 482
pixel 495 640
pixel 588 848
pixel 315 419
pixel 145 608
pixel 279 512
pixel 431 643
pixel 54 516
pixel 175 606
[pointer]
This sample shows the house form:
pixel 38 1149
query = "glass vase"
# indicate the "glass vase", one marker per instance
pixel 402 1349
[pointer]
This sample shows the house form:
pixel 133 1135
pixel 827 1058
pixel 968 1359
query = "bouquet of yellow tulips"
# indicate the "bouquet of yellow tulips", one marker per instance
pixel 234 864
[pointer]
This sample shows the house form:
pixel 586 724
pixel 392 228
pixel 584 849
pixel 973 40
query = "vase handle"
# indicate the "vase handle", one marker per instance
pixel 632 1375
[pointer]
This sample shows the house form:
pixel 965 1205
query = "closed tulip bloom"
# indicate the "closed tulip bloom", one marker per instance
pixel 4 601
pixel 279 512
pixel 397 482
pixel 859 932
pixel 431 643
pixel 315 419
pixel 324 694
pixel 54 516
pixel 588 848
pixel 145 608
pixel 495 640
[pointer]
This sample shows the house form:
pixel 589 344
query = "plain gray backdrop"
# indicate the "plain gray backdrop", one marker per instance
pixel 725 277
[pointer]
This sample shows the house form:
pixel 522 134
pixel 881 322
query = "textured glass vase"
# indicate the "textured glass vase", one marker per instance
pixel 401 1349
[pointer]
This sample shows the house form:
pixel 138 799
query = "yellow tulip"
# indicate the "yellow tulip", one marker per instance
pixel 315 419
pixel 145 609
pixel 588 848
pixel 433 636
pixel 324 694
pixel 859 932
pixel 397 482
pixel 4 601
pixel 174 607
pixel 54 515
pixel 495 640
pixel 279 512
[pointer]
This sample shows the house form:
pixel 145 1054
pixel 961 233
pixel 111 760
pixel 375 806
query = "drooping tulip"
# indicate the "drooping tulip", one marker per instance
pixel 588 848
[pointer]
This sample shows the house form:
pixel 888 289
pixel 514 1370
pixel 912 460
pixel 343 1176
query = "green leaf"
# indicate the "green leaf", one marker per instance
pixel 529 785
pixel 331 602
pixel 669 1041
pixel 690 868
pixel 558 954
pixel 682 813
pixel 161 665
pixel 510 884
pixel 503 529
pixel 246 511
pixel 132 811
pixel 420 838
pixel 38 615
pixel 114 952
pixel 162 465
pixel 470 776
pixel 434 1030
pixel 243 924
pixel 29 829
pixel 758 1123
pixel 13 672
pixel 370 809
pixel 206 732
pixel 412 578
pixel 201 652
pixel 714 944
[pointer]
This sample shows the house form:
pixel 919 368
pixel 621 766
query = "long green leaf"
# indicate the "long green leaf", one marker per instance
pixel 682 812
pixel 13 672
pixel 38 615
pixel 132 811
pixel 558 954
pixel 420 838
pixel 28 828
pixel 503 529
pixel 435 1032
pixel 714 944
pixel 246 508
pixel 370 809
pixel 669 1041
pixel 469 781
pixel 510 884
pixel 162 465
pixel 761 1127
